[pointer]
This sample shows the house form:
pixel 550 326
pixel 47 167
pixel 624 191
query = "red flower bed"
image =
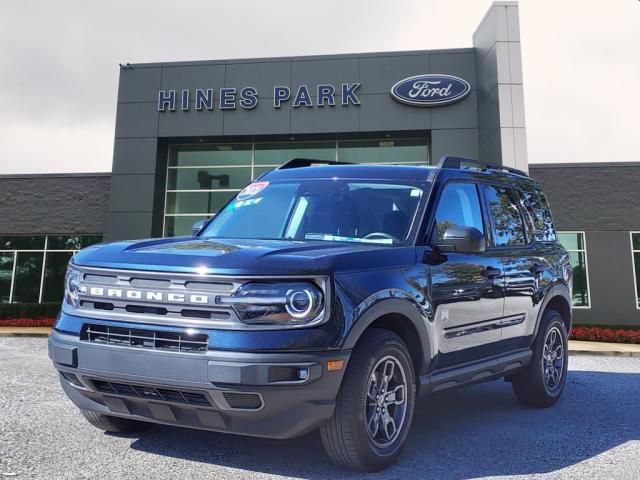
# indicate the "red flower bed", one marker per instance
pixel 596 334
pixel 27 322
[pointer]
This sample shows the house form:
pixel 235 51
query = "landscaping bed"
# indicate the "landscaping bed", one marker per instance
pixel 600 334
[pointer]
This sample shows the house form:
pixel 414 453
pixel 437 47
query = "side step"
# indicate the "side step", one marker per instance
pixel 475 372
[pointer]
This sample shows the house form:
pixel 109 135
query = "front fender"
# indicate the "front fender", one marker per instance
pixel 414 314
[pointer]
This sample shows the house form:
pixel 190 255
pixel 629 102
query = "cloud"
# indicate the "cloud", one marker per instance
pixel 59 68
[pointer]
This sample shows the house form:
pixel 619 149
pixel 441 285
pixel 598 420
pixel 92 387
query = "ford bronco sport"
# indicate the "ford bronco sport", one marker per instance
pixel 325 297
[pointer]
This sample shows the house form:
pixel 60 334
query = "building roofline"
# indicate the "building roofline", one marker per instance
pixel 295 58
pixel 54 175
pixel 538 166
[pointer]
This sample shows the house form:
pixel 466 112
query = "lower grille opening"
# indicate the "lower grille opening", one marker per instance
pixel 178 341
pixel 153 393
pixel 146 309
pixel 243 401
pixel 195 313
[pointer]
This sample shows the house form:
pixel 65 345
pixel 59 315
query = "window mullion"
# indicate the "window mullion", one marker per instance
pixel 13 275
pixel 44 266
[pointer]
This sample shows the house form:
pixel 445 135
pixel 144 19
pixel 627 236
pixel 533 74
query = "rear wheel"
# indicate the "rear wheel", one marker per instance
pixel 375 405
pixel 114 424
pixel 542 382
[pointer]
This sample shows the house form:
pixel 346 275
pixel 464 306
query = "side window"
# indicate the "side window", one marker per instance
pixel 537 207
pixel 459 207
pixel 508 226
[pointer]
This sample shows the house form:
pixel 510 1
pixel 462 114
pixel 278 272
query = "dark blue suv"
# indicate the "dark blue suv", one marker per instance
pixel 323 297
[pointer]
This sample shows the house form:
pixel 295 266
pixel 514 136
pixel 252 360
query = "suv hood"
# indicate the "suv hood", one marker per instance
pixel 244 256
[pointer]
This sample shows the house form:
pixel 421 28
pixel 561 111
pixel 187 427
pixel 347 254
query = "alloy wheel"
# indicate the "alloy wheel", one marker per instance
pixel 553 360
pixel 386 402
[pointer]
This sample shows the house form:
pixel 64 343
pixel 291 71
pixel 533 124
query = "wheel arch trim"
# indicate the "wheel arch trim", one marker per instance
pixel 395 306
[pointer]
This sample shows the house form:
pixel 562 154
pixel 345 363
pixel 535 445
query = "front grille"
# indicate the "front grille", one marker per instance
pixel 145 338
pixel 152 393
pixel 243 401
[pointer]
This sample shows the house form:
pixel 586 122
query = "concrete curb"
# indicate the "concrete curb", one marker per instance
pixel 25 331
pixel 600 353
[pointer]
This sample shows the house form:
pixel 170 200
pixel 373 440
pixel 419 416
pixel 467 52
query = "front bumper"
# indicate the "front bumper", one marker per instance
pixel 259 394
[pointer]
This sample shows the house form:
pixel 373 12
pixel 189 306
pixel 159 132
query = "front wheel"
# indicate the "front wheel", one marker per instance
pixel 375 405
pixel 542 382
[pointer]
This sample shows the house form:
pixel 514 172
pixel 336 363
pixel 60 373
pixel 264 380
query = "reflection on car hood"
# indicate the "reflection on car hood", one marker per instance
pixel 244 256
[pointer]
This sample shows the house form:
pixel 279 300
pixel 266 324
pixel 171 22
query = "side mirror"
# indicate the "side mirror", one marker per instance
pixel 462 240
pixel 195 230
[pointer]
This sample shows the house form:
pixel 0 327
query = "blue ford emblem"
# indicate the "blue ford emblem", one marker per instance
pixel 430 90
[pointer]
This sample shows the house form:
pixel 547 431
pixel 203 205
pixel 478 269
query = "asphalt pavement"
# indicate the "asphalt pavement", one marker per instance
pixel 478 432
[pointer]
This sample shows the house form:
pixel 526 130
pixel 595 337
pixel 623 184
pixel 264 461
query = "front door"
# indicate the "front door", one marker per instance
pixel 466 288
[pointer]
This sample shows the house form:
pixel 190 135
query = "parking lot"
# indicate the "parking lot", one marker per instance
pixel 593 432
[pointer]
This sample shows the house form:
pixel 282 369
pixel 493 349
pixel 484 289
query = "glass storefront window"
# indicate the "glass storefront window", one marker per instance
pixel 635 251
pixel 181 225
pixel 21 242
pixel 53 285
pixel 197 202
pixel 574 243
pixel 210 155
pixel 279 153
pixel 71 242
pixel 409 151
pixel 6 274
pixel 32 268
pixel 28 273
pixel 208 178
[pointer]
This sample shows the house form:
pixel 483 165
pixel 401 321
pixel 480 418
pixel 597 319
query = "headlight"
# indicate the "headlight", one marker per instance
pixel 72 287
pixel 277 303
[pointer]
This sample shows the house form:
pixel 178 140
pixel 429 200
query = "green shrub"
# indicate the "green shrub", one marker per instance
pixel 28 310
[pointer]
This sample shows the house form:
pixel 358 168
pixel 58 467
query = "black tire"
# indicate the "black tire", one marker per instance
pixel 532 386
pixel 114 424
pixel 345 437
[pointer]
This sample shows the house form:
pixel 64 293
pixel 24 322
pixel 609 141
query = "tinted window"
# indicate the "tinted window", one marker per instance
pixel 508 226
pixel 459 207
pixel 537 208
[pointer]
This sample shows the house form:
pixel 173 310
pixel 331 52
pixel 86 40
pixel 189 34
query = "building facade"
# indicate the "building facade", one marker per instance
pixel 190 135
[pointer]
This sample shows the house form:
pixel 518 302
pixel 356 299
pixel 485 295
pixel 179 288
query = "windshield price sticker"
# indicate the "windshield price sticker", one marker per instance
pixel 252 190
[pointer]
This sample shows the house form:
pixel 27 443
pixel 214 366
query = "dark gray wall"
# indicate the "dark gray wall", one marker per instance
pixel 592 196
pixel 602 200
pixel 57 203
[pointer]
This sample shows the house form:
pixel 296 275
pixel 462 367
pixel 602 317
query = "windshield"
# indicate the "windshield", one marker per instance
pixel 320 209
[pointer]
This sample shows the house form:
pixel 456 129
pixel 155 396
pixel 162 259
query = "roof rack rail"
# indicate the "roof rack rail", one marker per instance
pixel 309 162
pixel 461 162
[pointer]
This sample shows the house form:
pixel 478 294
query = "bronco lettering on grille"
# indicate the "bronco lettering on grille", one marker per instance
pixel 148 295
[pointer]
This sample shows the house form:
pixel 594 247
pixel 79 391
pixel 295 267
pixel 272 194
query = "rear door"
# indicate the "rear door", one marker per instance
pixel 523 267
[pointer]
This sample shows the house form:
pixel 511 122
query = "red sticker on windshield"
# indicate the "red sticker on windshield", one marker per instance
pixel 251 190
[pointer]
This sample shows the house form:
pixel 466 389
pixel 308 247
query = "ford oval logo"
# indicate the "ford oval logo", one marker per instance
pixel 430 90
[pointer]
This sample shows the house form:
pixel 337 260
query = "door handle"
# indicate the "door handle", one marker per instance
pixel 492 272
pixel 537 269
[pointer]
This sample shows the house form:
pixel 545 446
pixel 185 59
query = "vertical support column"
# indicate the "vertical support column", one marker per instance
pixel 500 95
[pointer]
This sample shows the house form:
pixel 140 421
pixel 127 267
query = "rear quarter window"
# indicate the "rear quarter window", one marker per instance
pixel 537 209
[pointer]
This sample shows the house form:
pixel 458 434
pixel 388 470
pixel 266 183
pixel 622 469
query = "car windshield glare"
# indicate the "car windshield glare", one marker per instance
pixel 321 209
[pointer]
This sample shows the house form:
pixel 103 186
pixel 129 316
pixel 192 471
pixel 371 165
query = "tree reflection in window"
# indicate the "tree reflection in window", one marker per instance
pixel 508 226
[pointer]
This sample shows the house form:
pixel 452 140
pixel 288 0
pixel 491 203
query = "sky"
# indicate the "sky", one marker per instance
pixel 59 64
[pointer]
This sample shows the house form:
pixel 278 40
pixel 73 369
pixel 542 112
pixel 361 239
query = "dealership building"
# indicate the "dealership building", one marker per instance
pixel 189 135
